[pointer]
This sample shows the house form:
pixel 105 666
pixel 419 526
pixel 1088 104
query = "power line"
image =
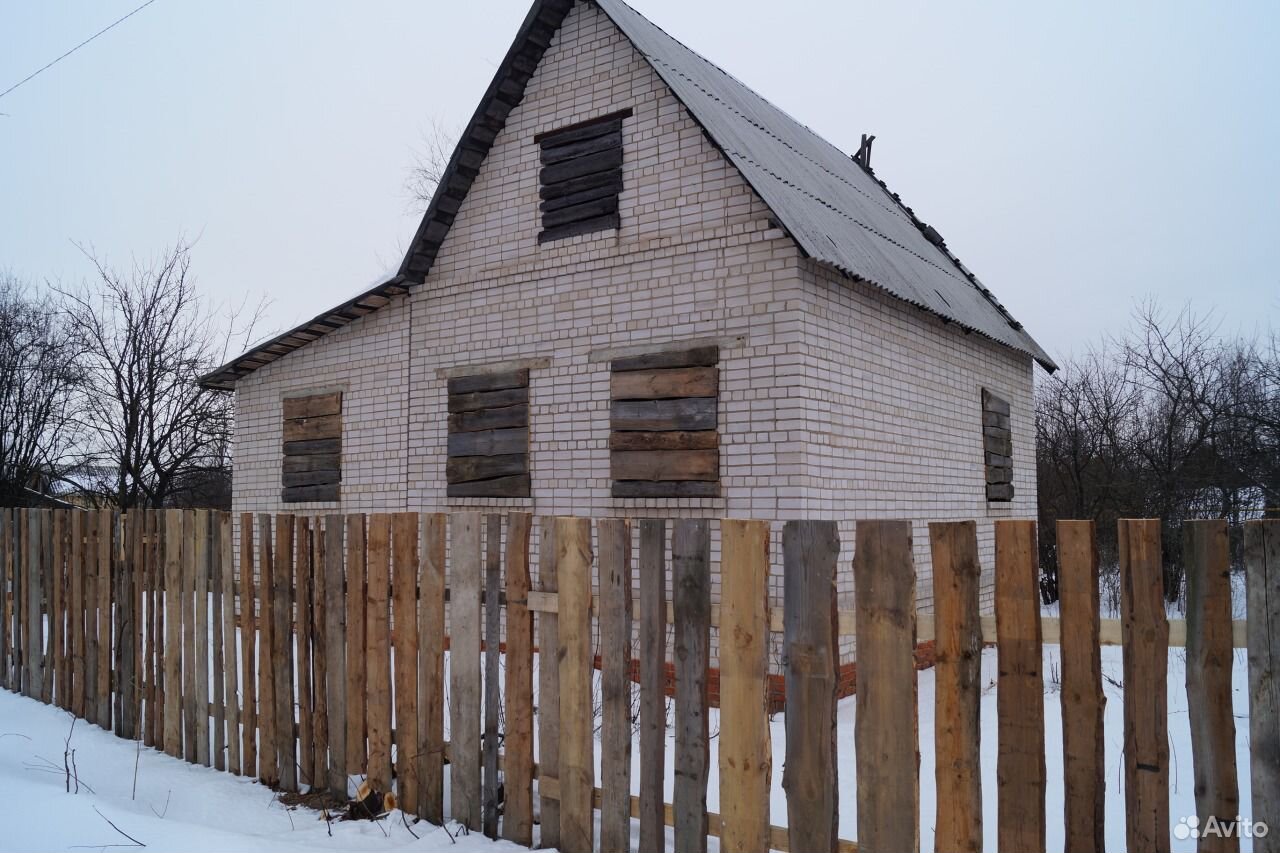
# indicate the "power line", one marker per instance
pixel 77 47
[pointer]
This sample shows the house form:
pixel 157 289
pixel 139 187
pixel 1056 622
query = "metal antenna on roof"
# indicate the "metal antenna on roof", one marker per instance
pixel 863 157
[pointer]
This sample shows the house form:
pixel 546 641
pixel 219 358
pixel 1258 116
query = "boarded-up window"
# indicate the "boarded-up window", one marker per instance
pixel 997 443
pixel 664 441
pixel 312 448
pixel 489 436
pixel 581 177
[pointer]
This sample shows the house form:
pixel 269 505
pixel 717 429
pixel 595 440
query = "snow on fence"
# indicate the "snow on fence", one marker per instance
pixel 91 623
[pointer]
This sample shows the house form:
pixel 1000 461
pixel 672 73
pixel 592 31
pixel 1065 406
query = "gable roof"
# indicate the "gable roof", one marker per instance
pixel 836 211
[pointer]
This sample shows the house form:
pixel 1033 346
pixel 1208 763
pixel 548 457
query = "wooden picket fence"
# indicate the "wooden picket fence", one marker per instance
pixel 141 623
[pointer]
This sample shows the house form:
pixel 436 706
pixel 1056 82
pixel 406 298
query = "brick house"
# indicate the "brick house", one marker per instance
pixel 643 290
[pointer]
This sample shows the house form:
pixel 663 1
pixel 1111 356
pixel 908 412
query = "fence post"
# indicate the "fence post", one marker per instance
pixel 377 656
pixel 464 671
pixel 268 755
pixel 249 644
pixel 577 763
pixel 231 644
pixel 203 564
pixel 336 650
pixel 1206 560
pixel 517 821
pixel 172 632
pixel 1020 763
pixel 1082 698
pixel 1145 633
pixel 810 624
pixel 492 643
pixel 355 630
pixel 958 676
pixel 320 657
pixel 615 684
pixel 1262 559
pixel 548 689
pixel 746 753
pixel 653 675
pixel 301 621
pixel 404 577
pixel 691 596
pixel 431 578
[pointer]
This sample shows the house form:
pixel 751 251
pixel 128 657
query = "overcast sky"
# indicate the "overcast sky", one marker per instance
pixel 1078 157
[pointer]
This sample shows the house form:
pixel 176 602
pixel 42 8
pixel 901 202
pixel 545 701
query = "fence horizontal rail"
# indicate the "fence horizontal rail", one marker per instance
pixel 275 660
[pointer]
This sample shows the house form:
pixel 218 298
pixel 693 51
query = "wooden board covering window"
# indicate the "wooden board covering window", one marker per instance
pixel 312 469
pixel 997 446
pixel 663 412
pixel 580 178
pixel 488 450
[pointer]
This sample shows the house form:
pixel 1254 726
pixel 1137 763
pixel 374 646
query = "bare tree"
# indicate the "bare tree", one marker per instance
pixel 147 336
pixel 429 162
pixel 39 376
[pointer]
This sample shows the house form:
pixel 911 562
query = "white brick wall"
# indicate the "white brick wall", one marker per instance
pixel 838 401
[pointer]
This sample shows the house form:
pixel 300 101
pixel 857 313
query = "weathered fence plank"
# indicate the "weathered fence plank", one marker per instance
pixel 615 684
pixel 886 731
pixel 357 681
pixel 1262 564
pixel 268 754
pixel 1020 765
pixel 335 641
pixel 810 550
pixel 1145 631
pixel 653 703
pixel 517 816
pixel 77 573
pixel 106 562
pixel 404 577
pixel 56 657
pixel 231 644
pixel 319 656
pixel 492 645
pixel 35 610
pixel 1207 562
pixel 577 739
pixel 90 589
pixel 691 598
pixel 219 644
pixel 377 655
pixel 173 632
pixel 282 653
pixel 155 695
pixel 1082 699
pixel 302 649
pixel 191 560
pixel 200 573
pixel 464 671
pixel 431 581
pixel 957 576
pixel 6 606
pixel 746 752
pixel 548 687
pixel 249 648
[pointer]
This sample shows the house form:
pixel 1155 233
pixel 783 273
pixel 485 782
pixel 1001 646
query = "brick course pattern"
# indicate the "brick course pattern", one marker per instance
pixel 836 400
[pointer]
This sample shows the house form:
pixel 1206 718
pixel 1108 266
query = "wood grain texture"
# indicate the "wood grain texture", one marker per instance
pixel 200 575
pixel 577 737
pixel 90 607
pixel 319 656
pixel 173 632
pixel 492 669
pixel 249 648
pixel 615 683
pixel 675 440
pixel 694 357
pixel 54 603
pixel 335 645
pixel 404 578
pixel 1083 701
pixel 1020 767
pixel 514 486
pixel 745 750
pixel 886 731
pixel 191 559
pixel 464 469
pixel 548 687
pixel 669 489
pixel 218 647
pixel 478 400
pixel 1262 567
pixel 302 649
pixel 490 442
pixel 691 598
pixel 518 378
pixel 106 562
pixel 313 429
pixel 517 820
pixel 465 581
pixel 665 465
pixel 1207 562
pixel 664 383
pixel 314 405
pixel 431 574
pixel 1146 663
pixel 377 652
pixel 231 644
pixel 653 704
pixel 810 550
pixel 507 417
pixel 6 602
pixel 689 413
pixel 268 755
pixel 282 652
pixel 957 577
pixel 155 691
pixel 357 669
pixel 76 570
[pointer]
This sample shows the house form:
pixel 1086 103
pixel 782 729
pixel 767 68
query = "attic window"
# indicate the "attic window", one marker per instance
pixel 997 445
pixel 312 448
pixel 663 414
pixel 488 453
pixel 581 177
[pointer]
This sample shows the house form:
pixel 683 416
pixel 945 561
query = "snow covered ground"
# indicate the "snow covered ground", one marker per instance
pixel 177 806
